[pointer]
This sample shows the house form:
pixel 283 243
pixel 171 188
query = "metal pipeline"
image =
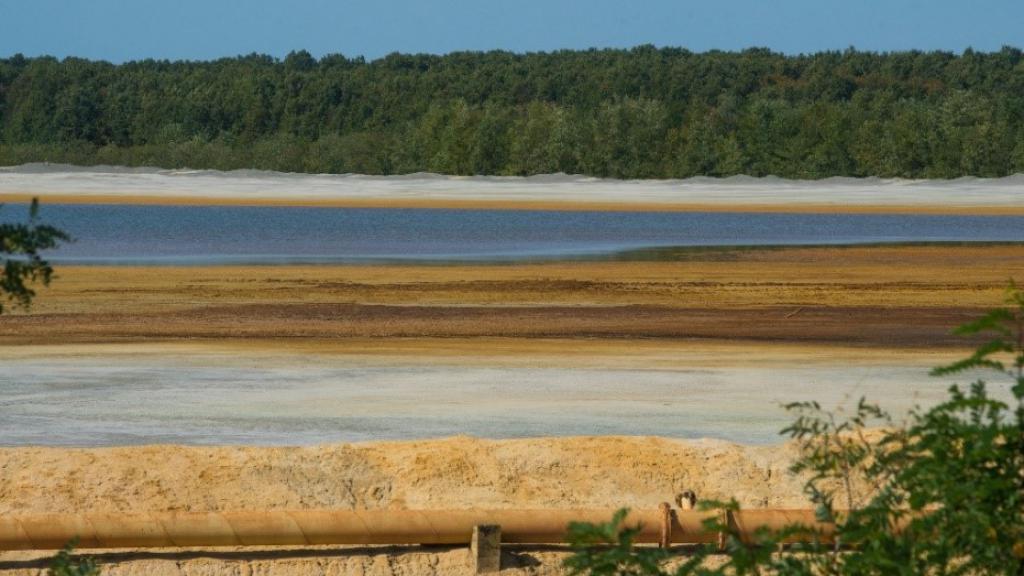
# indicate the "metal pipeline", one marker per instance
pixel 318 527
pixel 746 523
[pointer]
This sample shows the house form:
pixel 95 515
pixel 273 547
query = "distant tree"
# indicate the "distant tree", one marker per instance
pixel 301 61
pixel 20 245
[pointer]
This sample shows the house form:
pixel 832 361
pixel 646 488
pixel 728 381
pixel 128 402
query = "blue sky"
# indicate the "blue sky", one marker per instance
pixel 119 30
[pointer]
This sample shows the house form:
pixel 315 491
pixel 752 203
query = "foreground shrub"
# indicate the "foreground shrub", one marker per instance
pixel 64 564
pixel 20 260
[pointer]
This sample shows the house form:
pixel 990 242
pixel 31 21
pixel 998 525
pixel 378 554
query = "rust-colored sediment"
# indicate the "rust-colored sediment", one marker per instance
pixel 865 296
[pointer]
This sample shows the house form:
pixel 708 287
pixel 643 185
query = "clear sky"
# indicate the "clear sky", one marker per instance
pixel 119 30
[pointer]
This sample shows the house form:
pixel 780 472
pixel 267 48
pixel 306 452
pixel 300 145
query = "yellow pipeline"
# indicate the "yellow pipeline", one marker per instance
pixel 313 527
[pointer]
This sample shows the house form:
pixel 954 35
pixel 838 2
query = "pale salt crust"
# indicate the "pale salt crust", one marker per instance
pixel 139 393
pixel 44 180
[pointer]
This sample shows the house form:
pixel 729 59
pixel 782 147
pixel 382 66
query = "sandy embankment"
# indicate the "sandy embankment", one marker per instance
pixel 459 472
pixel 68 184
pixel 440 474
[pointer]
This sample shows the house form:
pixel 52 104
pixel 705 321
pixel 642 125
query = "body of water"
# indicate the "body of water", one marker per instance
pixel 134 234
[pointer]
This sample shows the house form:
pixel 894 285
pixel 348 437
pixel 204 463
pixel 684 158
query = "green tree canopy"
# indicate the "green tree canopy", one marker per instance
pixel 639 113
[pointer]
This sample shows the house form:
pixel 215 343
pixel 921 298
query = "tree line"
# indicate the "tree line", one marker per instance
pixel 641 113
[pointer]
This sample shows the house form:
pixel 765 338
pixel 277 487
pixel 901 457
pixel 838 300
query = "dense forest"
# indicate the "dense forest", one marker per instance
pixel 640 113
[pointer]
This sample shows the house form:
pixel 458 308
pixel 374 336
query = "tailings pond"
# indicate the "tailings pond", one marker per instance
pixel 197 235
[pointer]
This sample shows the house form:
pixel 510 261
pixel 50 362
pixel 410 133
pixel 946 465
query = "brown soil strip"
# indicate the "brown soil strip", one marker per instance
pixel 877 326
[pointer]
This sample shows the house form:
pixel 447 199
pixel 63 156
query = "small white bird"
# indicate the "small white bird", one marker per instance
pixel 686 500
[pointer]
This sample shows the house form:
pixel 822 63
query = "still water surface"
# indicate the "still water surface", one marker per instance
pixel 129 234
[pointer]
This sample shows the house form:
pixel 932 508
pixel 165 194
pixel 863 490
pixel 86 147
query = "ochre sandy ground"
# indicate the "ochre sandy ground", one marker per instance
pixel 459 472
pixel 909 296
pixel 840 206
pixel 437 474
pixel 592 353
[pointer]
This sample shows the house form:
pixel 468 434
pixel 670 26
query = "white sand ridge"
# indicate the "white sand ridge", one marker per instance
pixel 106 182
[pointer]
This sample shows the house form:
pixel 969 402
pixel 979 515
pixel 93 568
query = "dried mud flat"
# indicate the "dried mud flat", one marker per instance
pixel 439 474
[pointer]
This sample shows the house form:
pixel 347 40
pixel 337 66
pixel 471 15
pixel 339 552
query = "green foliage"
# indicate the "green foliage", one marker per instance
pixel 1004 352
pixel 21 263
pixel 607 550
pixel 64 564
pixel 941 494
pixel 637 113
